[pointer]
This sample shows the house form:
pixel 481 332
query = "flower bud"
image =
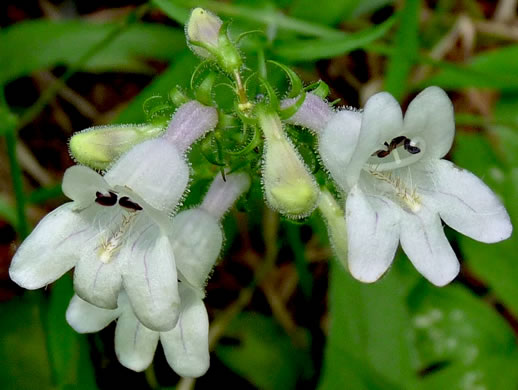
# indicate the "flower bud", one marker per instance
pixel 207 37
pixel 288 185
pixel 336 227
pixel 203 27
pixel 98 147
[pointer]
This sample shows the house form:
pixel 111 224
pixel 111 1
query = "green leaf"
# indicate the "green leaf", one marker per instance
pixel 68 350
pixel 8 211
pixel 329 12
pixel 42 44
pixel 174 11
pixel 461 341
pixel 265 15
pixel 493 69
pixel 23 352
pixel 406 48
pixel 43 194
pixel 314 49
pixel 368 346
pixel 263 353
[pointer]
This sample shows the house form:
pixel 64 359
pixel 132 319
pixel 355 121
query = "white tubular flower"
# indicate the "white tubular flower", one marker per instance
pixel 186 346
pixel 399 188
pixel 197 238
pixel 196 234
pixel 115 232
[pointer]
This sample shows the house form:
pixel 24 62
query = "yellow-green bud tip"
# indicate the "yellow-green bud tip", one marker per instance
pixel 98 147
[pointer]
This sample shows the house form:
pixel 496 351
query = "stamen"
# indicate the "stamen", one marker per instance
pixel 127 203
pixel 111 246
pixel 410 197
pixel 106 200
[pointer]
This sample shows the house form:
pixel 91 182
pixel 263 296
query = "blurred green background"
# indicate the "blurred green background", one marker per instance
pixel 67 65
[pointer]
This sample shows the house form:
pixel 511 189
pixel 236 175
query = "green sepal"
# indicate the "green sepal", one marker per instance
pixel 319 88
pixel 273 100
pixel 288 112
pixel 255 141
pixel 295 81
pixel 207 150
pixel 178 97
pixel 157 109
pixel 203 92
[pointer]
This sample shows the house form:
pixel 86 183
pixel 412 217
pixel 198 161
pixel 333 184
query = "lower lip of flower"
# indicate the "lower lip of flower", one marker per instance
pixel 111 245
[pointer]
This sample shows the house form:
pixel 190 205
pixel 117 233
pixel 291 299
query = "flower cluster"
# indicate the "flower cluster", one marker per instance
pixel 139 260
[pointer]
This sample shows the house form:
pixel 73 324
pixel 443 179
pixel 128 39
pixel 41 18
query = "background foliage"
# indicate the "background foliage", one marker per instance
pixel 284 313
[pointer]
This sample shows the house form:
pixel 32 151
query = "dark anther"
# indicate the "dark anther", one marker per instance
pixel 397 142
pixel 409 148
pixel 394 144
pixel 106 200
pixel 125 202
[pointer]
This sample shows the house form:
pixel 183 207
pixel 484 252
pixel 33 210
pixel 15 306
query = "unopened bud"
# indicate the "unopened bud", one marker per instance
pixel 288 185
pixel 98 147
pixel 203 27
pixel 207 37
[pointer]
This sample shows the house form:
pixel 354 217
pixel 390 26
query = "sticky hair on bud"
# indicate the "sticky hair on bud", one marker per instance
pixel 288 185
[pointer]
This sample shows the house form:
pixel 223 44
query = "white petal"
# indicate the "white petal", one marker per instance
pixel 84 317
pixel 382 120
pixel 155 171
pixel 197 240
pixel 372 233
pixel 424 242
pixel 150 278
pixel 80 184
pixel 96 281
pixel 135 345
pixel 186 347
pixel 52 247
pixel 466 204
pixel 337 143
pixel 430 115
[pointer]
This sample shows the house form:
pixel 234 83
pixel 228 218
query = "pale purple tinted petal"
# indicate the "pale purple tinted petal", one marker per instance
pixel 313 114
pixel 190 122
